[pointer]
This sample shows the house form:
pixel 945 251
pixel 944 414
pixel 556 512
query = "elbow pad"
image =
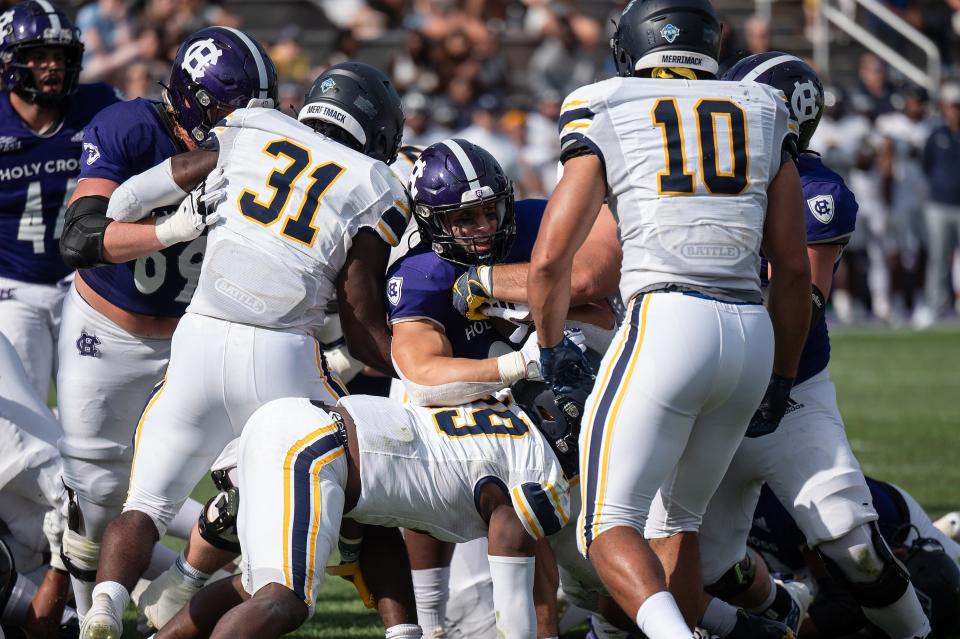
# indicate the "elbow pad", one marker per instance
pixel 818 304
pixel 84 224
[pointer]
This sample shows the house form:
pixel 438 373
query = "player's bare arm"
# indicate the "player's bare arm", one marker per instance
pixel 570 215
pixel 424 355
pixel 360 300
pixel 125 233
pixel 595 274
pixel 785 247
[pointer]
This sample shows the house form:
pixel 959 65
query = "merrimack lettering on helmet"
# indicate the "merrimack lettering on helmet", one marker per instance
pixel 804 100
pixel 681 59
pixel 199 56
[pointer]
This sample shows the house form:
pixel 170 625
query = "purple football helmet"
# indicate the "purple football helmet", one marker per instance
pixel 793 76
pixel 30 25
pixel 217 70
pixel 454 175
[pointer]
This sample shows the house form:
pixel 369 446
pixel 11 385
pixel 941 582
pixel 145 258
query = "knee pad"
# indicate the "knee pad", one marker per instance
pixel 735 581
pixel 862 561
pixel 218 519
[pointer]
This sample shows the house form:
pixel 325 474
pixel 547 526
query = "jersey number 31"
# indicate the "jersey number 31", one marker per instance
pixel 677 180
pixel 298 226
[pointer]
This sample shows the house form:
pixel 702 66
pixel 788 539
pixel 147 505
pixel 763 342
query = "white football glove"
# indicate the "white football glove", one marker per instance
pixel 54 523
pixel 163 599
pixel 525 363
pixel 197 211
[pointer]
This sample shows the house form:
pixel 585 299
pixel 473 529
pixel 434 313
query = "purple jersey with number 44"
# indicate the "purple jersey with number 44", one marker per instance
pixel 37 176
pixel 122 141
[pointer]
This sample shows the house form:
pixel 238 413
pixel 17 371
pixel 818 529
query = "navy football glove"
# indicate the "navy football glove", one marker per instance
pixel 773 407
pixel 565 368
pixel 472 290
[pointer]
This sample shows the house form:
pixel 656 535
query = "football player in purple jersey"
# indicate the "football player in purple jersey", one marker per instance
pixel 43 110
pixel 135 279
pixel 797 444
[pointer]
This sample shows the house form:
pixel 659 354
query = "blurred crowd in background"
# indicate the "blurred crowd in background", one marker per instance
pixel 496 71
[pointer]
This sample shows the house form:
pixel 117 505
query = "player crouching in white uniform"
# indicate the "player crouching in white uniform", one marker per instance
pixel 462 473
pixel 307 212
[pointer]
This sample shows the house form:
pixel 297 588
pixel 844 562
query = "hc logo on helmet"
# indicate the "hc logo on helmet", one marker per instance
pixel 670 33
pixel 199 56
pixel 803 101
pixel 6 19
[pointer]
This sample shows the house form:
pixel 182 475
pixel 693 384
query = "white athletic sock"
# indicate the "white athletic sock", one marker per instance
pixel 719 617
pixel 513 596
pixel 660 618
pixel 903 619
pixel 431 587
pixel 189 574
pixel 117 593
pixel 404 631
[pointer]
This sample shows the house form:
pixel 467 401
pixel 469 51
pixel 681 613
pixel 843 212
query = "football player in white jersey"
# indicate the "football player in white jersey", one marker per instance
pixel 311 209
pixel 698 175
pixel 477 470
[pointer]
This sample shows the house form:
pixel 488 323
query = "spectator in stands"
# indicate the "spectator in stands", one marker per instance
pixel 873 87
pixel 757 34
pixel 292 62
pixel 109 41
pixel 904 133
pixel 941 163
pixel 565 60
pixel 514 126
pixel 418 129
pixel 484 131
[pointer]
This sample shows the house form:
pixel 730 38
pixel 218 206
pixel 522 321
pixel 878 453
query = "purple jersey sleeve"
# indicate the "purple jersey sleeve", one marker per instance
pixel 830 208
pixel 120 139
pixel 415 290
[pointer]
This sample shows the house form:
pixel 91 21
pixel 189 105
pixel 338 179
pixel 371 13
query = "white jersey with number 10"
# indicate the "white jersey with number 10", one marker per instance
pixel 687 166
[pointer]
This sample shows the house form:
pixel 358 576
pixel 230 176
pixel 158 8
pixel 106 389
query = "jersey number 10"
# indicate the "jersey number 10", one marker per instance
pixel 677 180
pixel 299 226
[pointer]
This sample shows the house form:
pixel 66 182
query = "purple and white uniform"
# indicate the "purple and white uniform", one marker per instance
pixel 807 461
pixel 37 174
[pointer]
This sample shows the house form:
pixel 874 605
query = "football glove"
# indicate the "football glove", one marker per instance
pixel 773 407
pixel 472 290
pixel 565 368
pixel 54 523
pixel 196 212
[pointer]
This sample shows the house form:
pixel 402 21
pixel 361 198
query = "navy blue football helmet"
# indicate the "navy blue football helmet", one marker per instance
pixel 793 76
pixel 454 175
pixel 30 25
pixel 217 70
pixel 667 33
pixel 357 105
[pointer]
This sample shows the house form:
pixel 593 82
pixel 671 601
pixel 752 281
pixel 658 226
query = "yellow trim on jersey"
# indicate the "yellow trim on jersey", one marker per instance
pixel 576 124
pixel 323 376
pixel 557 503
pixel 317 502
pixel 572 103
pixel 532 523
pixel 614 410
pixel 385 231
pixel 136 436
pixel 287 493
pixel 276 192
pixel 306 199
pixel 403 206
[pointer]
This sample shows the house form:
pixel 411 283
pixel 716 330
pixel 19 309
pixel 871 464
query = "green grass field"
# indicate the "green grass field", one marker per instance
pixel 899 393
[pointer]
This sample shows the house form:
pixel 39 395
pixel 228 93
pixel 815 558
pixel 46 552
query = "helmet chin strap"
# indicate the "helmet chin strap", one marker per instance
pixel 671 73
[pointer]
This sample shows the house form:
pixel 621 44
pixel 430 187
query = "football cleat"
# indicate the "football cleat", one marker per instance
pixel 754 627
pixel 101 621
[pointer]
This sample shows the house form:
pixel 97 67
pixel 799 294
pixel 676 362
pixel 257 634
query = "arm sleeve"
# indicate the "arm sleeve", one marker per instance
pixel 512 579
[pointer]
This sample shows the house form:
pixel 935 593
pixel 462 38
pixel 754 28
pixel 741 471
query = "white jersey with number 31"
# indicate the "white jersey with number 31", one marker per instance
pixel 687 166
pixel 295 200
